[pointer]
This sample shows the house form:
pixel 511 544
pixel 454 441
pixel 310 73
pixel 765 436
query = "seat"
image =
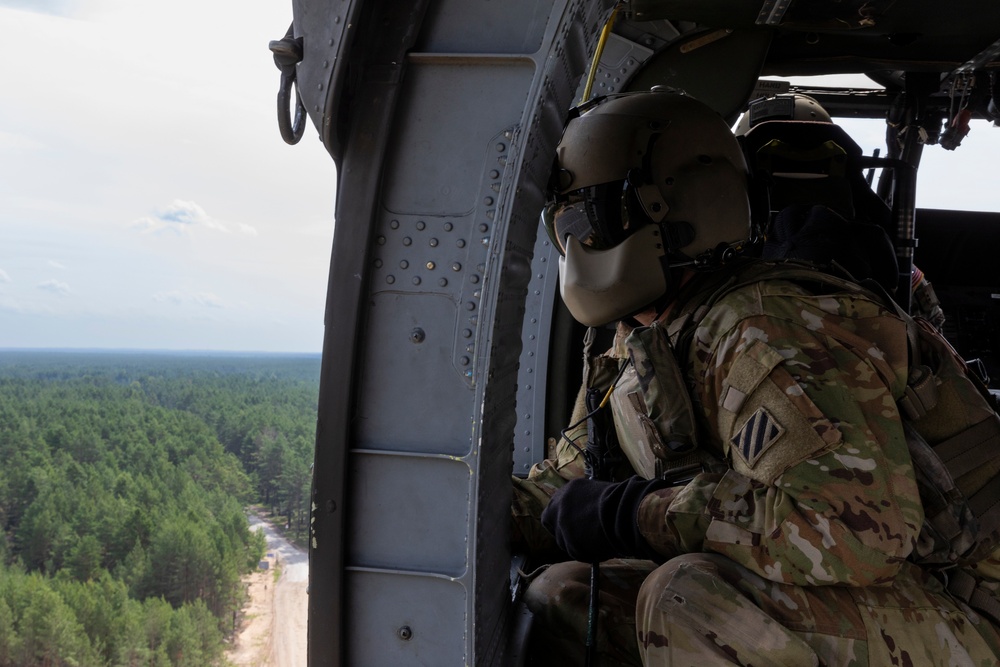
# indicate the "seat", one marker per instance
pixel 809 162
pixel 811 201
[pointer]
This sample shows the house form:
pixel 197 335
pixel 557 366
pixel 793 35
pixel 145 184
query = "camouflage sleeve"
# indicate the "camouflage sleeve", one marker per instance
pixel 799 394
pixel 531 495
pixel 565 462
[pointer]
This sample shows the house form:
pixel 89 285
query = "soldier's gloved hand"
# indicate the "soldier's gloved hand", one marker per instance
pixel 594 521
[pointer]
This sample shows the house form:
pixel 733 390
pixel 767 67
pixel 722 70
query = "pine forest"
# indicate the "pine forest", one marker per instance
pixel 124 483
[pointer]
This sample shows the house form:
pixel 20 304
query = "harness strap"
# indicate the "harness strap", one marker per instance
pixel 968 589
pixel 920 395
pixel 937 487
pixel 985 505
pixel 968 450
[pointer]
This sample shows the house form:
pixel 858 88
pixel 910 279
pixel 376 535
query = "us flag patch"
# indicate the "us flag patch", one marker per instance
pixel 758 433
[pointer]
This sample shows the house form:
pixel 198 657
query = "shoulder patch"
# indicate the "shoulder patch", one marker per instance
pixel 763 406
pixel 758 433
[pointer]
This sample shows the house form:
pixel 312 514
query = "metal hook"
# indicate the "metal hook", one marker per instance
pixel 287 54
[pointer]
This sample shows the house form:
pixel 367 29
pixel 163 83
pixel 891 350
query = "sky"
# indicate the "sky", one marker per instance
pixel 147 200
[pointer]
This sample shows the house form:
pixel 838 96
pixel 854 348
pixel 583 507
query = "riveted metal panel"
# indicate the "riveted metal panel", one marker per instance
pixel 531 429
pixel 485 26
pixel 414 619
pixel 409 511
pixel 444 256
pixel 621 59
pixel 413 399
pixel 326 30
pixel 451 107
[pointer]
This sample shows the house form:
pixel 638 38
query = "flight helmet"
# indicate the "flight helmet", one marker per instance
pixel 643 183
pixel 786 106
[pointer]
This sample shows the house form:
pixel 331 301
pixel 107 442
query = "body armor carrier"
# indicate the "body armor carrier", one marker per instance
pixel 949 418
pixel 654 418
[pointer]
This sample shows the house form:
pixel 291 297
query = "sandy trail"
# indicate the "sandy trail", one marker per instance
pixel 273 633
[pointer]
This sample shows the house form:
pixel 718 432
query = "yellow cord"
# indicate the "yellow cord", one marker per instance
pixel 621 372
pixel 597 54
pixel 604 401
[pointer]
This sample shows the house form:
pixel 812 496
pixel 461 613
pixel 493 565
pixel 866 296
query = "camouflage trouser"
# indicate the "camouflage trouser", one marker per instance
pixel 703 609
pixel 700 609
pixel 559 599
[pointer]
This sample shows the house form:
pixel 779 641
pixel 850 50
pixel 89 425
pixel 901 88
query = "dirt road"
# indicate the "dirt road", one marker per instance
pixel 274 628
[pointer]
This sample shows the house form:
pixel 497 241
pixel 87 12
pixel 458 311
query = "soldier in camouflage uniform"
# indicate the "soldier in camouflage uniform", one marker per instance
pixel 789 542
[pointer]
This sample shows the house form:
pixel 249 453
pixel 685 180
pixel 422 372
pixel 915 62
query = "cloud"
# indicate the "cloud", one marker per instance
pixel 4 278
pixel 55 286
pixel 178 298
pixel 55 7
pixel 173 296
pixel 181 216
pixel 178 216
pixel 56 265
pixel 208 300
pixel 148 225
pixel 185 213
pixel 10 304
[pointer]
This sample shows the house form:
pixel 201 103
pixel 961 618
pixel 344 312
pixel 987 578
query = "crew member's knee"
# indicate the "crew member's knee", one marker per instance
pixel 560 585
pixel 670 587
pixel 668 580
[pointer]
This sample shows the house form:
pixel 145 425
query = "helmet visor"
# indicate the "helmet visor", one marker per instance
pixel 593 216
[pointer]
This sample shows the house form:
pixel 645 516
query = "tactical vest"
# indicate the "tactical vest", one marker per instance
pixel 653 416
pixel 951 427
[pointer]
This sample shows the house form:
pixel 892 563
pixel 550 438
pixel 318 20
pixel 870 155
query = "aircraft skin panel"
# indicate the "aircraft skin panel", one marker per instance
pixel 416 396
pixel 395 623
pixel 513 27
pixel 531 429
pixel 359 167
pixel 445 152
pixel 451 108
pixel 418 535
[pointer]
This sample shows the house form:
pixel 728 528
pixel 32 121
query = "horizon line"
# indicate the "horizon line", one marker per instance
pixel 160 351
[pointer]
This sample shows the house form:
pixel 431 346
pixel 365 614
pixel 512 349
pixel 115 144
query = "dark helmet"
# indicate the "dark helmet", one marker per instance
pixel 643 182
pixel 786 106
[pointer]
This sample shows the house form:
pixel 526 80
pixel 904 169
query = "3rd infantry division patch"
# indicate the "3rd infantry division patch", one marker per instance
pixel 759 432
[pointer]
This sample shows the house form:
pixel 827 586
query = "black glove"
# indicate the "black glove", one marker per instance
pixel 594 521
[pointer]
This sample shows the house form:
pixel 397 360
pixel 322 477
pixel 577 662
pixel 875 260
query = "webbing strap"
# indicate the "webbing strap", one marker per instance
pixel 920 395
pixel 937 488
pixel 966 588
pixel 961 584
pixel 945 524
pixel 985 505
pixel 968 450
pixel 985 601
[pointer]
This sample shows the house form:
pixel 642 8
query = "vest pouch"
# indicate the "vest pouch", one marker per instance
pixel 654 419
pixel 954 443
pixel 950 530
